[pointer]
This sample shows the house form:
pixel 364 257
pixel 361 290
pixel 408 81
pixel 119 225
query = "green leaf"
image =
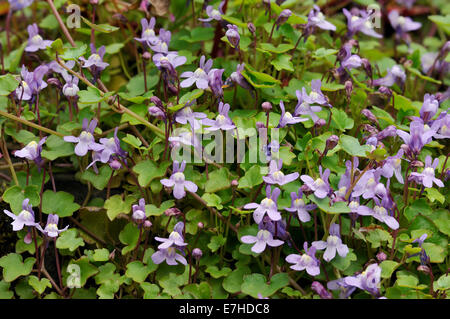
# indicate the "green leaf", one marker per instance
pixel 5 293
pixel 419 206
pixel 129 236
pixel 151 291
pixel 74 53
pixel 59 203
pixel 343 263
pixel 216 242
pixel 404 104
pixel 255 284
pixel 12 59
pixel 103 28
pixel 8 83
pixel 86 269
pixel 69 240
pixel 433 194
pixel 352 147
pixel 442 22
pixel 100 180
pixel 216 273
pixel 282 48
pixel 283 62
pixel 387 268
pixel 39 285
pixel 340 120
pixel 212 200
pixel 259 79
pixel 92 96
pixel 148 170
pixel 152 210
pixel 101 254
pixel 115 205
pixel 218 180
pixel 15 195
pixel 13 267
pixel 251 178
pixel 57 147
pixel 199 291
pixel 443 283
pixel 132 140
pixel 436 253
pixel 377 236
pixel 322 53
pixel 199 34
pixel 324 205
pixel 137 271
pixel 114 48
pixel 232 283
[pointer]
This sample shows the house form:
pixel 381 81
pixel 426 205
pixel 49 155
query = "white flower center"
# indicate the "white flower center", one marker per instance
pixel 178 177
pixel 199 72
pixel 299 203
pixel 319 182
pixel 401 20
pixel 215 12
pixel 428 171
pixel 52 228
pixel 379 210
pixel 220 119
pixel 96 57
pixel 332 240
pixel 86 137
pixel 353 205
pixel 36 39
pixel 149 33
pixel 263 235
pixel 371 181
pixel 397 162
pixel 278 175
pixel 288 115
pixel 314 95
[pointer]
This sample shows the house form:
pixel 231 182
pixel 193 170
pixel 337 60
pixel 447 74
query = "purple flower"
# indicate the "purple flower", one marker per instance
pixel 85 141
pixel 276 176
pixel 70 89
pixel 215 82
pixel 238 78
pixel 32 151
pixel 420 240
pixel 111 146
pixel 268 205
pixel 359 21
pixel 199 77
pixel 369 185
pixel 277 229
pixel 316 96
pixel 345 181
pixel 426 178
pixel 333 244
pixel 172 60
pixel 443 128
pixel 317 19
pixel 320 186
pixel 394 75
pixel 175 240
pixel 339 284
pixel 148 36
pixel 213 14
pixel 51 228
pixel 419 135
pixel 393 165
pixel 379 212
pixel 32 82
pixel 16 5
pixel 25 217
pixel 298 206
pixel 35 41
pixel 139 211
pixel 95 60
pixel 350 61
pixel 232 35
pixel 261 240
pixel 429 107
pixel 303 107
pixel 306 261
pixel 162 45
pixel 222 121
pixel 320 290
pixel 287 118
pixel 178 182
pixel 186 115
pixel 368 280
pixel 156 112
pixel 401 24
pixel 169 255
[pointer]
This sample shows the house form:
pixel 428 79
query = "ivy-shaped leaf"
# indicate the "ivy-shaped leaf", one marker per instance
pixel 14 267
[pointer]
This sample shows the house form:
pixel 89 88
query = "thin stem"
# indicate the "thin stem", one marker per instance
pixel 58 267
pixel 31 124
pixel 61 23
pixel 7 158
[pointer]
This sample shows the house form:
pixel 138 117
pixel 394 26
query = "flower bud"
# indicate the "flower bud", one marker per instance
pixel 331 142
pixel 381 256
pixel 348 89
pixel 155 100
pixel 55 82
pixel 417 164
pixel 156 112
pixel 146 56
pixel 251 27
pixel 391 130
pixel 234 183
pixel 370 116
pixel 233 35
pixel 115 164
pixel 120 17
pixel 385 90
pixel 200 225
pixel 27 239
pixel 320 123
pixel 266 106
pixel 172 212
pixel 320 290
pixel 424 269
pixel 260 125
pixel 197 253
pixel 147 224
pixel 112 255
pixel 367 67
pixel 283 17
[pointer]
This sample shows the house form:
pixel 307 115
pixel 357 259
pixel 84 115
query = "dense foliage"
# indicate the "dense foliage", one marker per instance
pixel 121 170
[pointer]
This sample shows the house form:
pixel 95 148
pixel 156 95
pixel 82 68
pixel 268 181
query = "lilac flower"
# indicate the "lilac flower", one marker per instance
pixel 156 112
pixel 395 75
pixel 261 240
pixel 232 35
pixel 148 36
pixel 55 67
pixel 16 5
pixel 186 115
pixel 298 206
pixel 420 240
pixel 339 284
pixel 349 60
pixel 25 217
pixel 32 151
pixel 277 228
pixel 429 107
pixel 345 181
pixel 320 186
pixel 32 82
pixel 170 60
pixel 175 240
pixel 35 41
pixel 268 205
pixel 178 182
pixel 85 141
pixel 111 146
pixel 443 128
pixel 222 121
pixel 287 118
pixel 213 14
pixel 379 212
pixel 303 108
pixel 320 290
pixel 368 280
pixel 238 78
pixel 369 185
pixel 162 45
pixel 70 89
pixel 169 255
pixel 95 60
pixel 317 19
pixel 426 178
pixel 306 261
pixel 51 229
pixel 215 82
pixel 316 96
pixel 188 138
pixel 283 17
pixel 276 176
pixel 333 244
pixel 419 135
pixel 199 77
pixel 400 24
pixel 393 165
pixel 360 22
pixel 433 58
pixel 139 211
